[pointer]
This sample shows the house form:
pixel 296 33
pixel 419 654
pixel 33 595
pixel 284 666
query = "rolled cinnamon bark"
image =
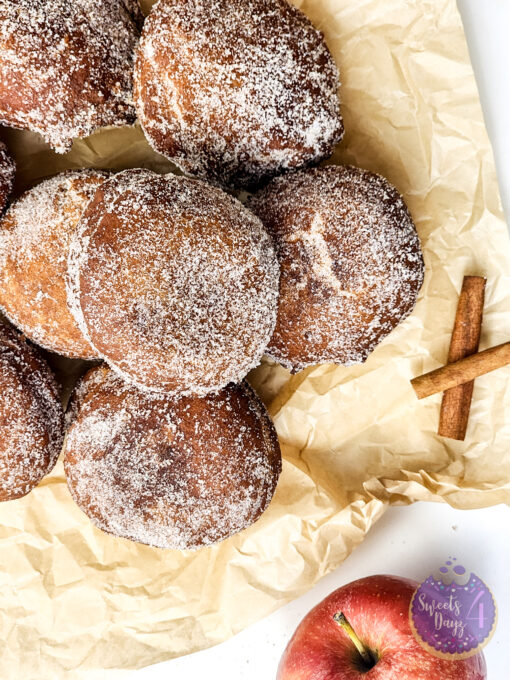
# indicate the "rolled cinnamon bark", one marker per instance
pixel 462 371
pixel 456 403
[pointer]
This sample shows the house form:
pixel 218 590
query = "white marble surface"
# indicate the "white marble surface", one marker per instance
pixel 479 537
pixel 487 26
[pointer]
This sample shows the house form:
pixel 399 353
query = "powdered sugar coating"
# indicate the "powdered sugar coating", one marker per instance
pixel 7 172
pixel 236 92
pixel 66 66
pixel 351 263
pixel 35 236
pixel 31 417
pixel 173 282
pixel 169 472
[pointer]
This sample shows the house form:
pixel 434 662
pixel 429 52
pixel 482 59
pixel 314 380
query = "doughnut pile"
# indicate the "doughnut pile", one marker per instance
pixel 65 66
pixel 236 92
pixel 31 417
pixel 351 263
pixel 173 282
pixel 174 287
pixel 171 473
pixel 35 236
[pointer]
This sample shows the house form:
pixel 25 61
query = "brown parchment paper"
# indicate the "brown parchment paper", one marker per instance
pixel 75 602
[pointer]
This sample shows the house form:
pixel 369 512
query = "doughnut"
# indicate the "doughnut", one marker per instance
pixel 35 236
pixel 31 416
pixel 236 92
pixel 7 171
pixel 351 263
pixel 170 472
pixel 173 282
pixel 66 66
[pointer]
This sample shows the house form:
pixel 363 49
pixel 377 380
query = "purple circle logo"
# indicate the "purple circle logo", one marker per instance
pixel 453 612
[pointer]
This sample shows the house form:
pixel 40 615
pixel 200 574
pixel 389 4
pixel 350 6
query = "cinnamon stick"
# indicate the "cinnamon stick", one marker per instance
pixel 462 371
pixel 456 403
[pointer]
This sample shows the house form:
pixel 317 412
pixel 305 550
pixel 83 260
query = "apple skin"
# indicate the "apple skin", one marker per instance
pixel 377 607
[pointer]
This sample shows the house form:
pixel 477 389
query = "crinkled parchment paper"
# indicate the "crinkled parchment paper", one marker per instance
pixel 74 600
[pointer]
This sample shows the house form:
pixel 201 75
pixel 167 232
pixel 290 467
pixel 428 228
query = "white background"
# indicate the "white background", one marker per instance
pixel 409 541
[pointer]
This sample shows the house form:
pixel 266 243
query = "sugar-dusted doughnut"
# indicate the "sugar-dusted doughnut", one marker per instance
pixel 31 416
pixel 169 472
pixel 7 172
pixel 35 236
pixel 236 92
pixel 351 263
pixel 174 282
pixel 66 66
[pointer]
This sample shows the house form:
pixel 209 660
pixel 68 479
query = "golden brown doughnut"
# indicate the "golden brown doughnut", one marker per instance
pixel 66 66
pixel 7 171
pixel 236 92
pixel 31 416
pixel 169 472
pixel 173 282
pixel 35 235
pixel 351 263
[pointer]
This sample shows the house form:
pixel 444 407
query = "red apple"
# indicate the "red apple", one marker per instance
pixel 372 641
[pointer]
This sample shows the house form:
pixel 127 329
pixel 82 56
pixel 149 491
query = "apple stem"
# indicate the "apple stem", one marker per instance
pixel 363 651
